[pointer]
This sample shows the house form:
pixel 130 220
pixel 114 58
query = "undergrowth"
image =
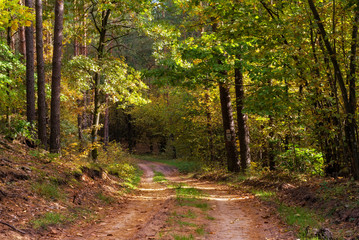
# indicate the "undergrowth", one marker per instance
pixel 302 218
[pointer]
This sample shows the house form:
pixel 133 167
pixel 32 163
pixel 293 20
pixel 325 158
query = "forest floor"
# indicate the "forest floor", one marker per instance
pixel 52 200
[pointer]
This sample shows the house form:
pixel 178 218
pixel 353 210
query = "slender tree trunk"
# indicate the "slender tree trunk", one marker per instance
pixel 96 118
pixel 100 51
pixel 349 100
pixel 106 124
pixel 130 134
pixel 229 130
pixel 351 125
pixel 8 109
pixel 209 128
pixel 30 79
pixel 22 47
pixel 271 145
pixel 41 102
pixel 80 119
pixel 243 131
pixel 55 145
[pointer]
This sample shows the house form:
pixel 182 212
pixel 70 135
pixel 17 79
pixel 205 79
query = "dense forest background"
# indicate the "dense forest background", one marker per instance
pixel 246 85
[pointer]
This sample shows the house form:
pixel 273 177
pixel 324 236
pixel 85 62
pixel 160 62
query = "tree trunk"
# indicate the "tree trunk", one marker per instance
pixel 229 130
pixel 22 47
pixel 243 131
pixel 8 109
pixel 228 122
pixel 80 125
pixel 41 102
pixel 100 51
pixel 96 119
pixel 349 101
pixel 209 127
pixel 106 124
pixel 130 134
pixel 30 79
pixel 56 78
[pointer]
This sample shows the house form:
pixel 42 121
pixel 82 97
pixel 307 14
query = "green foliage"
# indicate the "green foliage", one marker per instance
pixel 128 173
pixel 12 89
pixel 301 160
pixel 48 219
pixel 14 15
pixel 169 117
pixel 20 130
pixel 122 83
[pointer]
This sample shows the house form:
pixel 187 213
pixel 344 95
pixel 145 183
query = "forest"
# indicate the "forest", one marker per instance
pixel 259 91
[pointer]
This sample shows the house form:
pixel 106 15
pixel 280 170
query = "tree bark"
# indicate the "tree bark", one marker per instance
pixel 106 124
pixel 41 102
pixel 80 124
pixel 55 145
pixel 8 109
pixel 229 130
pixel 243 131
pixel 22 47
pixel 30 79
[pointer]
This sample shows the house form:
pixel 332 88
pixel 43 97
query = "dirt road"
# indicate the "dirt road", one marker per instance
pixel 182 208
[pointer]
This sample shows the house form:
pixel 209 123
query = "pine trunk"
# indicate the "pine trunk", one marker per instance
pixel 41 102
pixel 56 78
pixel 30 79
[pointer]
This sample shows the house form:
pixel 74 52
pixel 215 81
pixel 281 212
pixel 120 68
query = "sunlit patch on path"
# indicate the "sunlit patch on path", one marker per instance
pixel 165 210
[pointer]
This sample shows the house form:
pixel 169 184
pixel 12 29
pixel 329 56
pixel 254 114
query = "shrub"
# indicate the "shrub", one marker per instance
pixel 303 160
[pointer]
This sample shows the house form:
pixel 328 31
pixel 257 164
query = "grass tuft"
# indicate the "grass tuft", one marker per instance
pixel 159 177
pixel 299 217
pixel 48 219
pixel 47 190
pixel 105 198
pixel 179 237
pixel 264 195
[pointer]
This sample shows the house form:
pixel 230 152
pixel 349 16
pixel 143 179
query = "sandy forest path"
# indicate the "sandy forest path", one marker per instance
pixel 180 207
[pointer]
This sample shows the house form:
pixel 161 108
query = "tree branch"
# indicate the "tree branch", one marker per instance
pixel 13 228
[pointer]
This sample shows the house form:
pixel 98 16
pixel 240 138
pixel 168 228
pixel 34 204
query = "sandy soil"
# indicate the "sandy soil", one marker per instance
pixel 149 211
